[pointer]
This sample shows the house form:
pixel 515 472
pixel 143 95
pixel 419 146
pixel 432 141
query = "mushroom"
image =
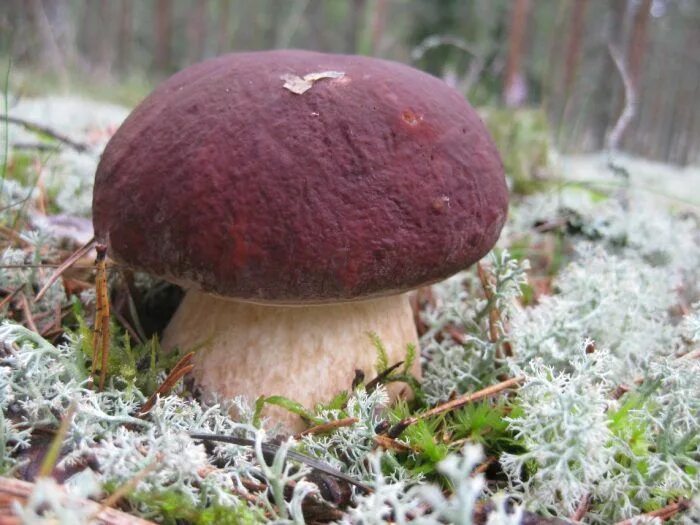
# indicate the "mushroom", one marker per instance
pixel 297 197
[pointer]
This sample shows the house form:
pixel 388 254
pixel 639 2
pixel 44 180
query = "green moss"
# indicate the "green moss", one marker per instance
pixel 485 423
pixel 173 509
pixel 139 366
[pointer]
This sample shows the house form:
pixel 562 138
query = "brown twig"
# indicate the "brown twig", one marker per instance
pixel 13 235
pixel 77 255
pixel 253 486
pixel 383 375
pixel 693 354
pixel 270 449
pixel 505 348
pixel 388 443
pixel 12 490
pixel 10 296
pixel 663 514
pixel 27 311
pixel 37 128
pixel 623 388
pixel 620 391
pixel 583 507
pixel 125 323
pixel 457 336
pixel 181 368
pixel 325 428
pixel 100 338
pixel 54 325
pixel 249 498
pixel 458 402
pixel 132 298
pixel 494 314
pixel 483 467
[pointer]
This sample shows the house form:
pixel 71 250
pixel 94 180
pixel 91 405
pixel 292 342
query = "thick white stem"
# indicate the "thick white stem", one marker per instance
pixel 305 353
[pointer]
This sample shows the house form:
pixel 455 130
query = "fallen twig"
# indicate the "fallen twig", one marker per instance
pixel 396 430
pixel 484 466
pixel 37 128
pixel 13 235
pixel 381 377
pixel 35 146
pixel 693 354
pixel 388 443
pixel 182 367
pixel 77 255
pixel 583 507
pixel 270 449
pixel 15 490
pixel 125 323
pixel 27 311
pixel 494 314
pixel 663 514
pixel 100 339
pixel 10 296
pixel 325 428
pixel 504 349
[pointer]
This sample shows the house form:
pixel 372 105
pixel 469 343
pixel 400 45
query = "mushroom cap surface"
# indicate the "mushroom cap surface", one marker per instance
pixel 376 179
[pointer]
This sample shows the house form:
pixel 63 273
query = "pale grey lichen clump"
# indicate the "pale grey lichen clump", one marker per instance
pixel 565 445
pixel 622 304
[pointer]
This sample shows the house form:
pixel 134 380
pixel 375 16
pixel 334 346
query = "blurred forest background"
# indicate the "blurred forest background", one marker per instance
pixel 567 68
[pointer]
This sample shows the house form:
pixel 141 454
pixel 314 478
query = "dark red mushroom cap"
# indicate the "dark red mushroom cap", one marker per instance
pixel 300 177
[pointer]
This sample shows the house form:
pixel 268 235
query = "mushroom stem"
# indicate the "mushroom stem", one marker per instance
pixel 305 353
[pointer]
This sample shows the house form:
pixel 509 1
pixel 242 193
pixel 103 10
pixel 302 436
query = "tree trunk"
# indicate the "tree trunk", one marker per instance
pixel 573 48
pixel 609 82
pixel 103 35
pixel 223 34
pixel 514 84
pixel 273 21
pixel 355 19
pixel 638 42
pixel 125 34
pixel 163 29
pixel 316 16
pixel 50 57
pixel 381 8
pixel 197 31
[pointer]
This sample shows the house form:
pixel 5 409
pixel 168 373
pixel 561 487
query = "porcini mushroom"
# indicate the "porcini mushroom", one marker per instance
pixel 298 197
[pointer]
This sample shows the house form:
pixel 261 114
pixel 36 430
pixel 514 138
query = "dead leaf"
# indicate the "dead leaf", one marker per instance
pixel 301 85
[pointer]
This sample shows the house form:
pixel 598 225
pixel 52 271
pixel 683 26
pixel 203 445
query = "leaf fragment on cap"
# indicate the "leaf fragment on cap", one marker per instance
pixel 301 85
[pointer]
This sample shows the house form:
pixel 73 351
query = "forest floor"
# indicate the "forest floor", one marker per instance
pixel 561 375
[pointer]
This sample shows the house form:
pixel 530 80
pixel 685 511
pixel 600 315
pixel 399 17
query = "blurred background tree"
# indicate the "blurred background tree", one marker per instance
pixel 548 61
